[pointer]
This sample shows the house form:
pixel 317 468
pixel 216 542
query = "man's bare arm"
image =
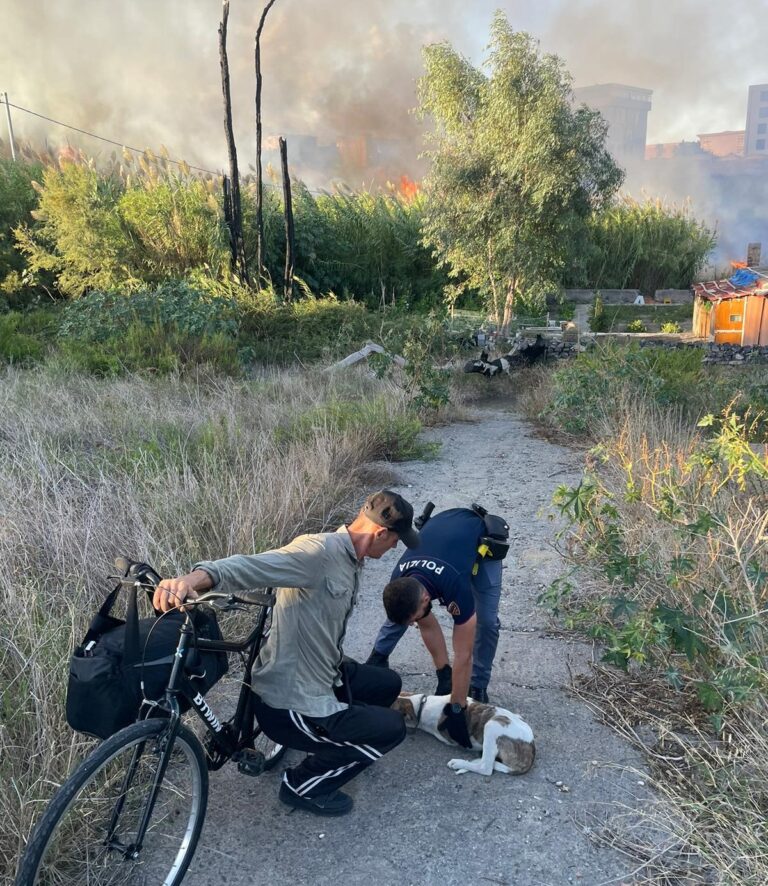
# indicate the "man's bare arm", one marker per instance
pixel 432 635
pixel 463 643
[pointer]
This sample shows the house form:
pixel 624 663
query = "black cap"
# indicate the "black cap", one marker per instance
pixel 391 510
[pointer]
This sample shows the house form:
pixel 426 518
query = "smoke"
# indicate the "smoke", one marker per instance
pixel 698 58
pixel 147 73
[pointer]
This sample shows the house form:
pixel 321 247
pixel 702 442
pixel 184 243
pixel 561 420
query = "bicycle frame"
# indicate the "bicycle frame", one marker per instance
pixel 228 741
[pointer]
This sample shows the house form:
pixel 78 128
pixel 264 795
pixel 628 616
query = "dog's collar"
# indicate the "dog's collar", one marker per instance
pixel 421 708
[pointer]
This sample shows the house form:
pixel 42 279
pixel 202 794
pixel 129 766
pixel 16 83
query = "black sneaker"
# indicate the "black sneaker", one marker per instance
pixel 335 803
pixel 378 659
pixel 478 694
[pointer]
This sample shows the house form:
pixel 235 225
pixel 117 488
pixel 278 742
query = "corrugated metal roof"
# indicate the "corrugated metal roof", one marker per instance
pixel 715 290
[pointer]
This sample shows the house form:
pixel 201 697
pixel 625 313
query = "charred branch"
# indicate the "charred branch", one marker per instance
pixel 259 170
pixel 227 202
pixel 236 223
pixel 289 232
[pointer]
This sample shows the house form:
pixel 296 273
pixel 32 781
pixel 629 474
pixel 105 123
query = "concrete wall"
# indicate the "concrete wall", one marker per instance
pixel 674 296
pixel 609 296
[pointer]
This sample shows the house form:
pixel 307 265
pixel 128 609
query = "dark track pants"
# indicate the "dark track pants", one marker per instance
pixel 342 745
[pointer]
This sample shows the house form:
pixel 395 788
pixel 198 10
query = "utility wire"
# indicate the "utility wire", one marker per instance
pixel 103 139
pixel 129 148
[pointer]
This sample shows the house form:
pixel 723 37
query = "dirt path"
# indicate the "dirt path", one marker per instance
pixel 415 821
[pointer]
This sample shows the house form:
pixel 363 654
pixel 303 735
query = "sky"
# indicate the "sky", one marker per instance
pixel 146 72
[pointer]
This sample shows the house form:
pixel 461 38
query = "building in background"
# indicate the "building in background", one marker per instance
pixel 756 134
pixel 625 109
pixel 723 144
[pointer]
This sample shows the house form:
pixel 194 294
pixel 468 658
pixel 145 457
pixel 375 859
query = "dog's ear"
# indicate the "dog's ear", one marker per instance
pixel 404 706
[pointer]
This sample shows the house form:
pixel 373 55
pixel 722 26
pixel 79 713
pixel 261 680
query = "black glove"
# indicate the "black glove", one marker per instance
pixel 444 680
pixel 456 725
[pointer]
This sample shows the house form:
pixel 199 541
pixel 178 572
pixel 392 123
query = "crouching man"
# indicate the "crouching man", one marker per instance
pixel 308 696
pixel 458 563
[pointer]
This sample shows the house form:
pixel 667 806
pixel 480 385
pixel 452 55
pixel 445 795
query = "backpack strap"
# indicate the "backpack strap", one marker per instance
pixel 131 648
pixel 103 621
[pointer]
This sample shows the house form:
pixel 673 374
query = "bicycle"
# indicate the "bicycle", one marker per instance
pixel 133 810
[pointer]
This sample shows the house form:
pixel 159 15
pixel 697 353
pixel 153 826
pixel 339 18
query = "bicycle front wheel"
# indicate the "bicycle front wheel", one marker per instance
pixel 90 832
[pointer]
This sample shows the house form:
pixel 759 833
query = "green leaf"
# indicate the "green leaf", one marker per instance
pixel 623 607
pixel 674 678
pixel 709 697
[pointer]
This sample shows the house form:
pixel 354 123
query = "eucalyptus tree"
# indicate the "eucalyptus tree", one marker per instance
pixel 516 168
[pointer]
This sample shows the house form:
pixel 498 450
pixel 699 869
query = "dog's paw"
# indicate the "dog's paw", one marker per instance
pixel 459 766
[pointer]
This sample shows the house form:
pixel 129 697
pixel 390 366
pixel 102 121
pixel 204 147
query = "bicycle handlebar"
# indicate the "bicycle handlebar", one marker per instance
pixel 144 576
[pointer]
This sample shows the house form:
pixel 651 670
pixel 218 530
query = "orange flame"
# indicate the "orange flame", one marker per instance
pixel 408 188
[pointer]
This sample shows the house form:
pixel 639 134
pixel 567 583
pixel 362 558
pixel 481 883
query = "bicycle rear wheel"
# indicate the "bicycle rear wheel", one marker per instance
pixel 88 833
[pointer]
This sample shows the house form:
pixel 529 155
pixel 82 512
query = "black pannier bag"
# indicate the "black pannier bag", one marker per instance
pixel 120 663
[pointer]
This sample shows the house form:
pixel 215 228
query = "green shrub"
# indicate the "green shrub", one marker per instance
pixel 161 330
pixel 79 238
pixel 156 348
pixel 396 436
pixel 566 310
pixel 593 385
pixel 671 327
pixel 25 336
pixel 652 528
pixel 136 224
pixel 175 226
pixel 636 326
pixel 17 200
pixel 17 346
pixel 107 314
pixel 646 245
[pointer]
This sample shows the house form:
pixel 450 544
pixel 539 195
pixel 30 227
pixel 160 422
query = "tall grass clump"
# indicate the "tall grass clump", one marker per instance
pixel 168 469
pixel 646 245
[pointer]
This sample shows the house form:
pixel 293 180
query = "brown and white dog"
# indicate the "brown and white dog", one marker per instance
pixel 506 741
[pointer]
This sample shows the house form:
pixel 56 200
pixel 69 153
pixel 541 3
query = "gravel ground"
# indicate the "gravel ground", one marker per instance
pixel 415 821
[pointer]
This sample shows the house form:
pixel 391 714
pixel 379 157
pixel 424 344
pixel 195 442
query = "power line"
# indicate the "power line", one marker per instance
pixel 102 138
pixel 111 141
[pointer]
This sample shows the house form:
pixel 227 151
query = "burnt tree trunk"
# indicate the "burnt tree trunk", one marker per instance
pixel 234 177
pixel 289 232
pixel 227 197
pixel 259 171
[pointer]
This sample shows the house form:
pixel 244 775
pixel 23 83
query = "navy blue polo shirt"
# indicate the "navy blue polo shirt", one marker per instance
pixel 444 559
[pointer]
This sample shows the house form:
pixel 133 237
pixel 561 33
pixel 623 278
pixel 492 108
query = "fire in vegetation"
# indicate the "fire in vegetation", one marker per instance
pixel 408 188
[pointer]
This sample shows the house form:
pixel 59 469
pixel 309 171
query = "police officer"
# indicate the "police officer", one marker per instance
pixel 458 564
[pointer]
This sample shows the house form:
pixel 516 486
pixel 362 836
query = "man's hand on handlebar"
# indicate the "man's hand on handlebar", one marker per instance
pixel 172 592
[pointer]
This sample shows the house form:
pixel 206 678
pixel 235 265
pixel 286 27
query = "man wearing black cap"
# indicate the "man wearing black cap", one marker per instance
pixel 308 696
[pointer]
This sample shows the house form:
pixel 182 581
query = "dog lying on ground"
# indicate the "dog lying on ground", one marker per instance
pixel 506 741
pixel 489 368
pixel 521 355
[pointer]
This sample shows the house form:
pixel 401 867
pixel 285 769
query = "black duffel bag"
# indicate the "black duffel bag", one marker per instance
pixel 120 663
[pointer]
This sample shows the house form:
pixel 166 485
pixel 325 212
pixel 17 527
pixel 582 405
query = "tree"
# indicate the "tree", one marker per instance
pixel 516 168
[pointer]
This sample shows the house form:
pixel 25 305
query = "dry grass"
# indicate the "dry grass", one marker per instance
pixel 708 819
pixel 168 470
pixel 656 474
